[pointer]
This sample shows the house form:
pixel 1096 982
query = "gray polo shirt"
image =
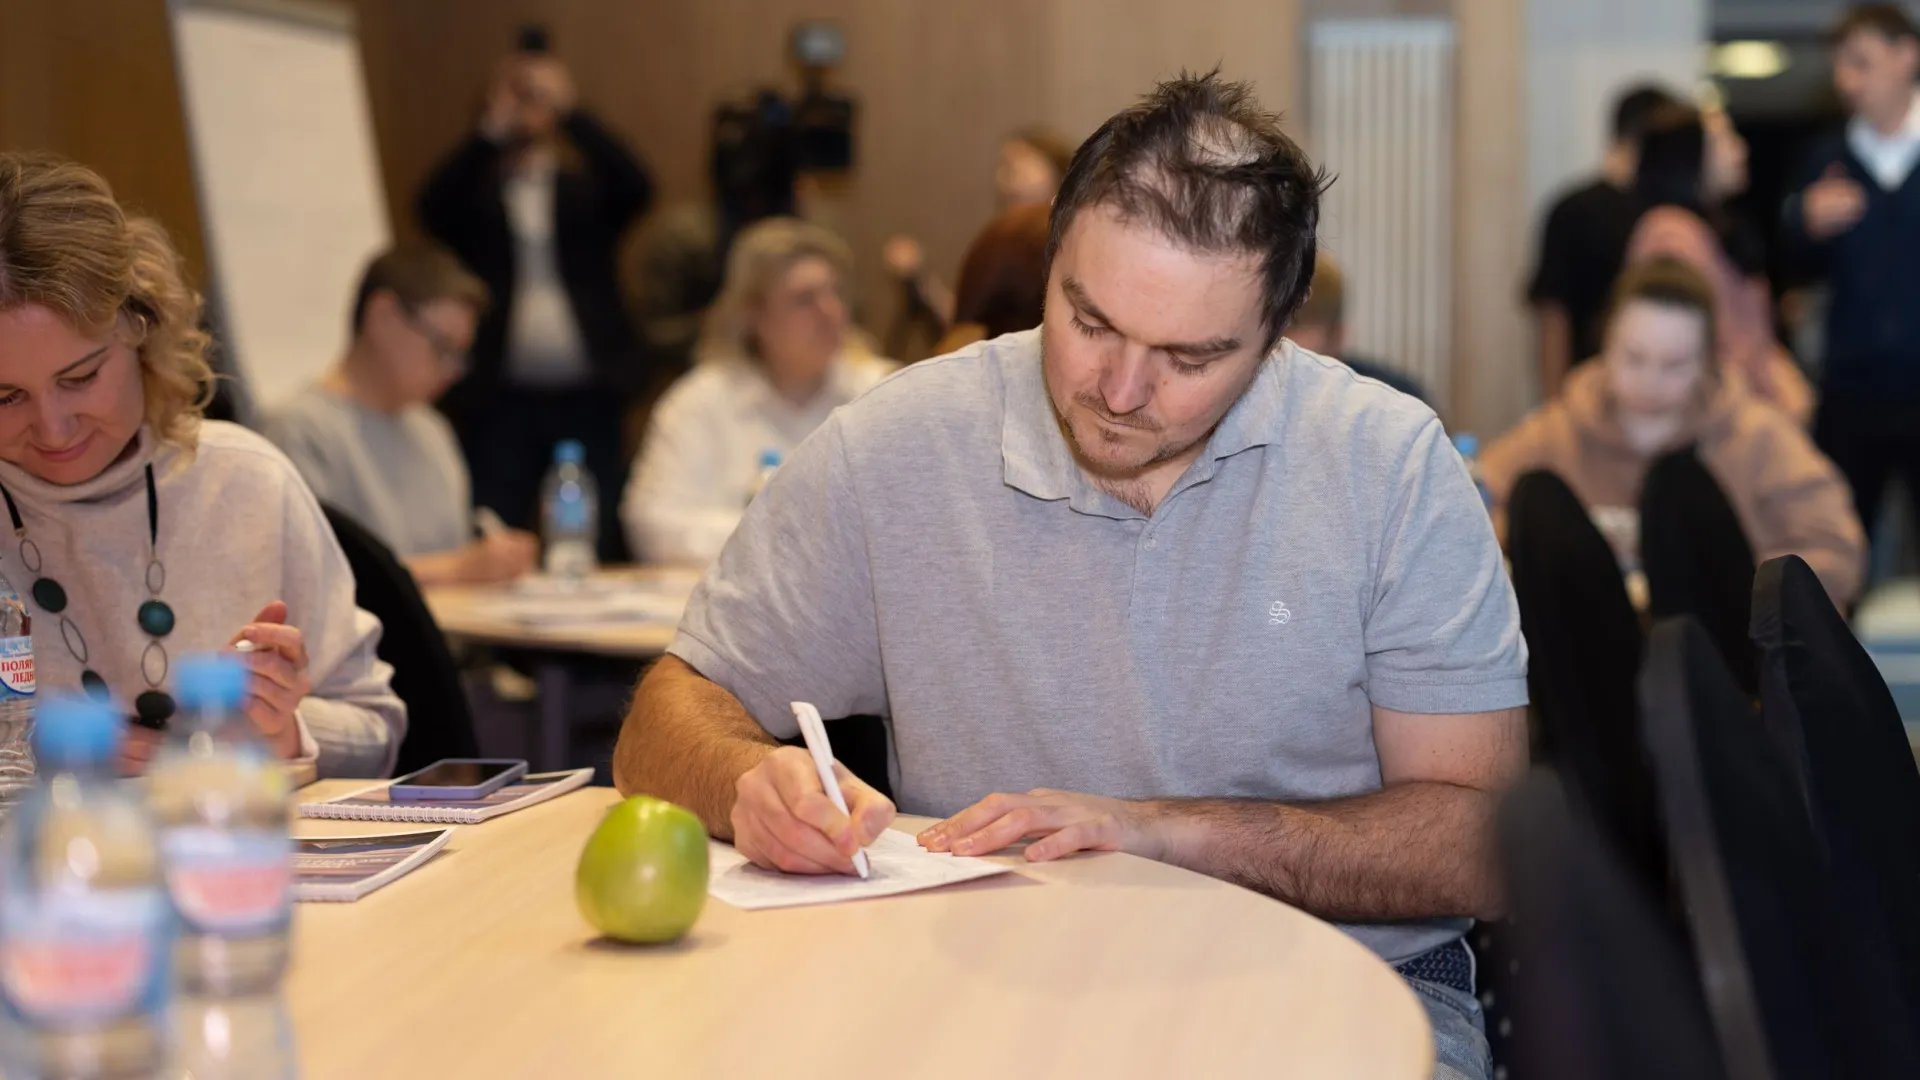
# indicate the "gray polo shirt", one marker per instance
pixel 934 555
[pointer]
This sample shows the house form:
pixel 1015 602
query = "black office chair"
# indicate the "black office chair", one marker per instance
pixel 1793 987
pixel 1604 987
pixel 1697 558
pixel 1584 644
pixel 1824 701
pixel 439 716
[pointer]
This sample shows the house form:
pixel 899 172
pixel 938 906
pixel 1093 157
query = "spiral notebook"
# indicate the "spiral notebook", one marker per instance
pixel 346 868
pixel 371 803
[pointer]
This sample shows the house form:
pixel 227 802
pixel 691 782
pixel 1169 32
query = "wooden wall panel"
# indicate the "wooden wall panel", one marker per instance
pixel 938 84
pixel 1494 376
pixel 94 80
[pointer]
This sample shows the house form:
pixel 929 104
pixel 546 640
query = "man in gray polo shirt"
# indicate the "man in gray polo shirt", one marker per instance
pixel 1203 596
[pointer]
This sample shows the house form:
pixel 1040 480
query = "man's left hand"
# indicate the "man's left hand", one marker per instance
pixel 1062 821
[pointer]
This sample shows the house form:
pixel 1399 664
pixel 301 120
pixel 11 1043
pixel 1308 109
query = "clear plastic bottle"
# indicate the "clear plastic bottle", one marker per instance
pixel 16 698
pixel 569 514
pixel 1468 444
pixel 770 460
pixel 222 804
pixel 86 932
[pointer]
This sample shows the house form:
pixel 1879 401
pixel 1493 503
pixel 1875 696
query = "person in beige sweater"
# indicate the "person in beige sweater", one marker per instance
pixel 141 533
pixel 1657 388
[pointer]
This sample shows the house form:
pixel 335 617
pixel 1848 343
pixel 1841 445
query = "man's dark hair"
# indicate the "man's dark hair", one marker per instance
pixel 1200 161
pixel 1635 108
pixel 1673 159
pixel 1887 20
pixel 416 274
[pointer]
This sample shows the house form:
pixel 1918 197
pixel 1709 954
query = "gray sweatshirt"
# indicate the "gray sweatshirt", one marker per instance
pixel 238 530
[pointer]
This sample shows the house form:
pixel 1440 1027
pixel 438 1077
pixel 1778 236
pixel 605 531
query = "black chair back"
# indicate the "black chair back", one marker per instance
pixel 1603 986
pixel 1584 646
pixel 1790 984
pixel 425 676
pixel 1824 701
pixel 1697 557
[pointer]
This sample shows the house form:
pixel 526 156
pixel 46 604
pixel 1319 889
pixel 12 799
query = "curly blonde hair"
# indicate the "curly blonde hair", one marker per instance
pixel 67 246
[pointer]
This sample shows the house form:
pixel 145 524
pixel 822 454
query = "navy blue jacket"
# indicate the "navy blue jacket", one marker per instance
pixel 1873 326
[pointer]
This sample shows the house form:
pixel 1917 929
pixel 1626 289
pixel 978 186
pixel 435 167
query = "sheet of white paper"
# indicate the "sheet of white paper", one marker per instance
pixel 590 609
pixel 900 865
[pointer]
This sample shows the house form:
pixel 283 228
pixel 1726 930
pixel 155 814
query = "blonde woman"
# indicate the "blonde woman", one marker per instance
pixel 140 532
pixel 776 357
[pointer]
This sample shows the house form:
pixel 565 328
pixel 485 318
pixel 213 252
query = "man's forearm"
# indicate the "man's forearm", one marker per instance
pixel 1412 851
pixel 688 741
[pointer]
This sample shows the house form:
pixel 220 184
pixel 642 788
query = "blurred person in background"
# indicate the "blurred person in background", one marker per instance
pixel 681 251
pixel 367 440
pixel 778 355
pixel 1584 243
pixel 1691 162
pixel 1657 388
pixel 535 203
pixel 143 532
pixel 1855 222
pixel 1031 164
pixel 1003 279
pixel 1320 326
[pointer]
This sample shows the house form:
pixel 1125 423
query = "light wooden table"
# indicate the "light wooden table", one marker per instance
pixel 472 614
pixel 478 965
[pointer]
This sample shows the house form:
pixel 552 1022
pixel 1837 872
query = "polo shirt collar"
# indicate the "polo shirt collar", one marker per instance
pixel 1033 449
pixel 1254 420
pixel 1034 452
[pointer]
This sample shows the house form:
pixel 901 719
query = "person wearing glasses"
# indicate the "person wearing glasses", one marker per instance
pixel 367 439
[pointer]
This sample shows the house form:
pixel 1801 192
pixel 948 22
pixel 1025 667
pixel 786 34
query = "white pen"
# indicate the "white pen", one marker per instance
pixel 814 731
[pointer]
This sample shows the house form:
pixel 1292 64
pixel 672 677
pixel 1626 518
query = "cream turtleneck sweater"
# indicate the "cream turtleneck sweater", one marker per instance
pixel 238 530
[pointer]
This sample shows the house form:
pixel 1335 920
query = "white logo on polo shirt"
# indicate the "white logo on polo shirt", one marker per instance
pixel 1278 615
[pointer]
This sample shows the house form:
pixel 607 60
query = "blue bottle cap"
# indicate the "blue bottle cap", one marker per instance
pixel 210 681
pixel 71 731
pixel 569 452
pixel 1467 443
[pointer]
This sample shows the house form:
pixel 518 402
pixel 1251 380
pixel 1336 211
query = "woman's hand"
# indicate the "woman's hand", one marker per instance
pixel 138 748
pixel 279 682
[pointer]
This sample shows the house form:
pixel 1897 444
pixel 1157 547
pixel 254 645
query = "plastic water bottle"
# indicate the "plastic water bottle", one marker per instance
pixel 569 514
pixel 1469 446
pixel 86 933
pixel 16 698
pixel 770 460
pixel 221 802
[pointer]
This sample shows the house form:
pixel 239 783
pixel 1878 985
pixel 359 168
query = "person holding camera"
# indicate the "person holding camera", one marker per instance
pixel 535 203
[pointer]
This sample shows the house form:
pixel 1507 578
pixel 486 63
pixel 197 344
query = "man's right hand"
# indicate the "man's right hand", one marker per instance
pixel 499 557
pixel 783 820
pixel 1834 204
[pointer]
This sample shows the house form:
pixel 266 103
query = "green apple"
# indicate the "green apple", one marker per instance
pixel 643 874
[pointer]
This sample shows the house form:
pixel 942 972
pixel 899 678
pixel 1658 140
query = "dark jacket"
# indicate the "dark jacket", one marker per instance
pixel 463 206
pixel 1873 325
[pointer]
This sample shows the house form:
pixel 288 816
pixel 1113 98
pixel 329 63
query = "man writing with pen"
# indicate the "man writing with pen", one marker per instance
pixel 1200 595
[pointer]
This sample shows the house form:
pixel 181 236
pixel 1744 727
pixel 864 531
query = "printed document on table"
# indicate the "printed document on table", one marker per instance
pixel 900 865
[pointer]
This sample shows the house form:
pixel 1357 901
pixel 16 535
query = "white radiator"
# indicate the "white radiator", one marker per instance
pixel 1381 118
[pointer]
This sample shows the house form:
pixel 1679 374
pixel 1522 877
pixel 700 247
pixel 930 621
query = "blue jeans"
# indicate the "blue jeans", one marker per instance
pixel 1459 1032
